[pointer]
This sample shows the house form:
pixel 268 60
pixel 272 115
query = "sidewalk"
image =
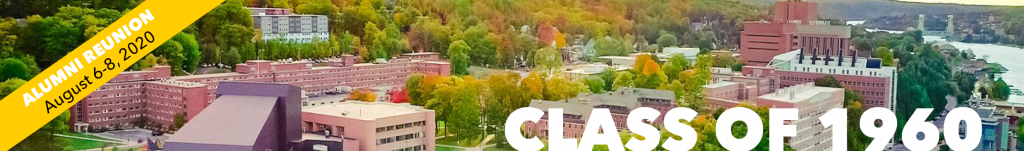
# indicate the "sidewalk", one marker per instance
pixel 91 139
pixel 483 144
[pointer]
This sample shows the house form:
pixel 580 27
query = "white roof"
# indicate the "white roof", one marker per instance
pixel 366 110
pixel 799 93
pixel 616 57
pixel 719 84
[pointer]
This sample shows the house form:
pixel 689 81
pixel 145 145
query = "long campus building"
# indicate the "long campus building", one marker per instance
pixel 154 97
pixel 875 83
pixel 576 111
pixel 280 23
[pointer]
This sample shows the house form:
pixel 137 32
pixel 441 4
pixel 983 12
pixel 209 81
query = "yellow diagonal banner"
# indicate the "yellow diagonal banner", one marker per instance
pixel 92 64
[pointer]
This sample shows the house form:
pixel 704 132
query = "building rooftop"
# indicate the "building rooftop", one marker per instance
pixel 719 84
pixel 179 83
pixel 321 137
pixel 200 76
pixel 263 8
pixel 433 62
pixel 574 108
pixel 420 53
pixel 246 115
pixel 616 57
pixel 798 93
pixel 821 28
pixel 289 15
pixel 791 58
pixel 366 110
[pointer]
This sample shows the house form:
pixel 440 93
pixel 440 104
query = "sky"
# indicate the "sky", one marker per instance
pixel 975 2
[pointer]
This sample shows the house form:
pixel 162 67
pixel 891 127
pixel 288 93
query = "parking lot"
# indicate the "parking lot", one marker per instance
pixel 133 136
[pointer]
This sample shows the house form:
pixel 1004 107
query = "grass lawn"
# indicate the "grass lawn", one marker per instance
pixel 440 148
pixel 88 136
pixel 80 144
pixel 465 142
pixel 440 129
pixel 495 148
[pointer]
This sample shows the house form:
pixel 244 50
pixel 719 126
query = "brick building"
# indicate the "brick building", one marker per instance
pixel 875 83
pixel 154 97
pixel 729 89
pixel 794 26
pixel 576 111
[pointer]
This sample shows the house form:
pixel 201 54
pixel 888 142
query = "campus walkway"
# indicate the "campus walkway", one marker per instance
pixel 480 147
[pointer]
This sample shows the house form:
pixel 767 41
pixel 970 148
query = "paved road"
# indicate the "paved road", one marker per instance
pixel 939 123
pixel 91 139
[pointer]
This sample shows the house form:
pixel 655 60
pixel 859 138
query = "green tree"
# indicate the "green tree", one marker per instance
pixel 14 68
pixel 190 48
pixel 1000 90
pixel 182 53
pixel 459 57
pixel 557 87
pixel 7 38
pixel 608 76
pixel 623 79
pixel 667 40
pixel 465 118
pixel 9 85
pixel 609 46
pixel 547 59
pixel 676 87
pixel 413 84
pixel 346 43
pixel 675 66
pixel 693 85
pixel 45 138
pixel 723 61
pixel 231 58
pixel 483 52
pixel 179 121
pixel 738 66
pixel 236 37
pixel 505 96
pixel 965 82
pixel 595 85
pixel 227 25
pixel 31 63
pixel 61 38
pixel 145 63
pixel 886 55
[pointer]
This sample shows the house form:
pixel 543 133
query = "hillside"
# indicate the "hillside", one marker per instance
pixel 854 9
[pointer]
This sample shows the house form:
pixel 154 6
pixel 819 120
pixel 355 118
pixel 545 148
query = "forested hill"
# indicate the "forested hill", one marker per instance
pixel 867 9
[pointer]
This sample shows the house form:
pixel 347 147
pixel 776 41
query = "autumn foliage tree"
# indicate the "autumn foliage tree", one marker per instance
pixel 401 96
pixel 364 95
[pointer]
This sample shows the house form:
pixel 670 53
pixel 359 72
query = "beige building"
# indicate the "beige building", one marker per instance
pixel 812 102
pixel 378 126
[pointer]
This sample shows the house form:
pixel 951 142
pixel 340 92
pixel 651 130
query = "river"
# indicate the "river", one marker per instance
pixel 859 22
pixel 1010 57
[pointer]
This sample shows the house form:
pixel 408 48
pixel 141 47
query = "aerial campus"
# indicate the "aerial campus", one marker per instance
pixel 429 79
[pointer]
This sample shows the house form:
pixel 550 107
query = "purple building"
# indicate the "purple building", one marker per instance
pixel 251 117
